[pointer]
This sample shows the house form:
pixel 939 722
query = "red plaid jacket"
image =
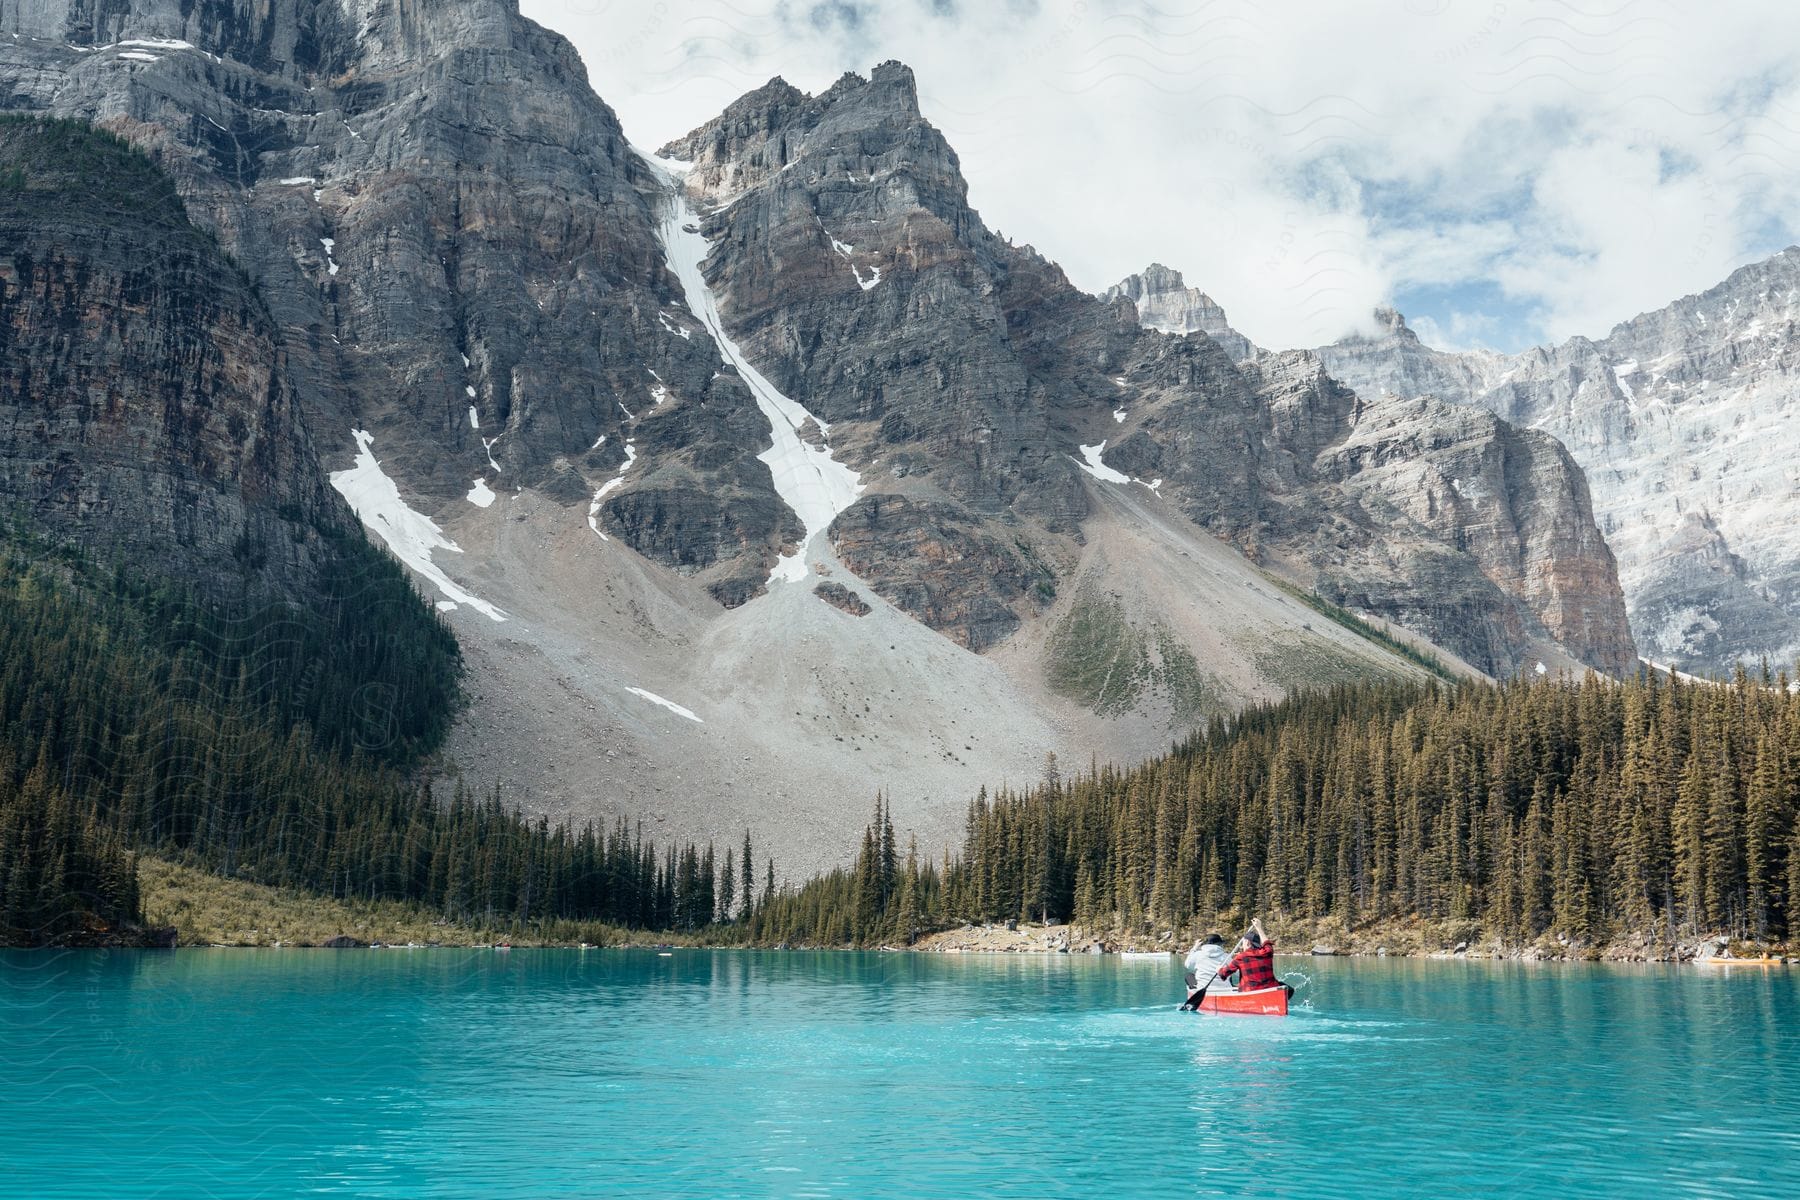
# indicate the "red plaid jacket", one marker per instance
pixel 1256 967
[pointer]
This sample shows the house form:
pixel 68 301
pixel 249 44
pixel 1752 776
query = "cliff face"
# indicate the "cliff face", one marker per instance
pixel 144 412
pixel 1511 499
pixel 967 375
pixel 1683 421
pixel 454 240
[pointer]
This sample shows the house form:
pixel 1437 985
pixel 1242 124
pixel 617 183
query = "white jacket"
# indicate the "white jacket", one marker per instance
pixel 1203 963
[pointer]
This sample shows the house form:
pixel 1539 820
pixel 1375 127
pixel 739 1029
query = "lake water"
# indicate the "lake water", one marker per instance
pixel 392 1073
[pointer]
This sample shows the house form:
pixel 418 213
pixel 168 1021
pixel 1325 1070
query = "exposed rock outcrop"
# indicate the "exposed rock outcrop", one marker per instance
pixel 1164 302
pixel 936 566
pixel 841 597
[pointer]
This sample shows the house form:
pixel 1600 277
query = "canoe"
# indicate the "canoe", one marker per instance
pixel 1264 1002
pixel 1765 961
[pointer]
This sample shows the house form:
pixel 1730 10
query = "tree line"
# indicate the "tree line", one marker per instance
pixel 880 899
pixel 281 746
pixel 1592 810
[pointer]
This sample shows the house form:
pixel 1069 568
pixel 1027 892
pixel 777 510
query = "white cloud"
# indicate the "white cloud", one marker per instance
pixel 1463 331
pixel 1446 254
pixel 1611 226
pixel 1301 162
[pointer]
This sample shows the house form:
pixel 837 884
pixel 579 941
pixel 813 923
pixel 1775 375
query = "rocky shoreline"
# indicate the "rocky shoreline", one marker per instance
pixel 1399 939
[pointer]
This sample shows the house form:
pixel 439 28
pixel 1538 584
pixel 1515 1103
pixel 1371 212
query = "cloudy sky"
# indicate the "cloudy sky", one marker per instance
pixel 1505 172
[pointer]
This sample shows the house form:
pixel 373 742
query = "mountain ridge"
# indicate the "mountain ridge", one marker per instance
pixel 830 214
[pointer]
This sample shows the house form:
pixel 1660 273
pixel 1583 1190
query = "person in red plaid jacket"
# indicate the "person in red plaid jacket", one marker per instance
pixel 1254 963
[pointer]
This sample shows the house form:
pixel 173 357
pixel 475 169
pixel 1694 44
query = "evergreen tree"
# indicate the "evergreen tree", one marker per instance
pixel 727 890
pixel 748 904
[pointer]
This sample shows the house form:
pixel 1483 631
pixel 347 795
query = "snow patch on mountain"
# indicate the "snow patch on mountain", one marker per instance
pixel 412 536
pixel 150 44
pixel 1622 371
pixel 807 478
pixel 609 486
pixel 846 252
pixel 1092 463
pixel 677 709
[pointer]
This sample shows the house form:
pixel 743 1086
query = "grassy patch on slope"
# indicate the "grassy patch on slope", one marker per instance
pixel 1194 695
pixel 1096 658
pixel 1099 659
pixel 1369 631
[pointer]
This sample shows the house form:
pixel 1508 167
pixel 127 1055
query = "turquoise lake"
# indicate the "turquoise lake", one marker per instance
pixel 424 1073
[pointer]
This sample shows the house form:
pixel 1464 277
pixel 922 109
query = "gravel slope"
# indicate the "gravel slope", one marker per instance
pixel 806 711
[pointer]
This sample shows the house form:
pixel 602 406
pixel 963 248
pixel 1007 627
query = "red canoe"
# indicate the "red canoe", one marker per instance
pixel 1264 1002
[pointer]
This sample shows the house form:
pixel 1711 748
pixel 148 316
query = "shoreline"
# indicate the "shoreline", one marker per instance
pixel 203 910
pixel 1723 962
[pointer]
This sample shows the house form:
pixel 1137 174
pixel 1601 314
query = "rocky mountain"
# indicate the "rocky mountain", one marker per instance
pixel 1164 302
pixel 978 382
pixel 1513 501
pixel 761 475
pixel 449 229
pixel 1684 420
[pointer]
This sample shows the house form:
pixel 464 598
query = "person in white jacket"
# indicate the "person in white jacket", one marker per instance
pixel 1203 963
